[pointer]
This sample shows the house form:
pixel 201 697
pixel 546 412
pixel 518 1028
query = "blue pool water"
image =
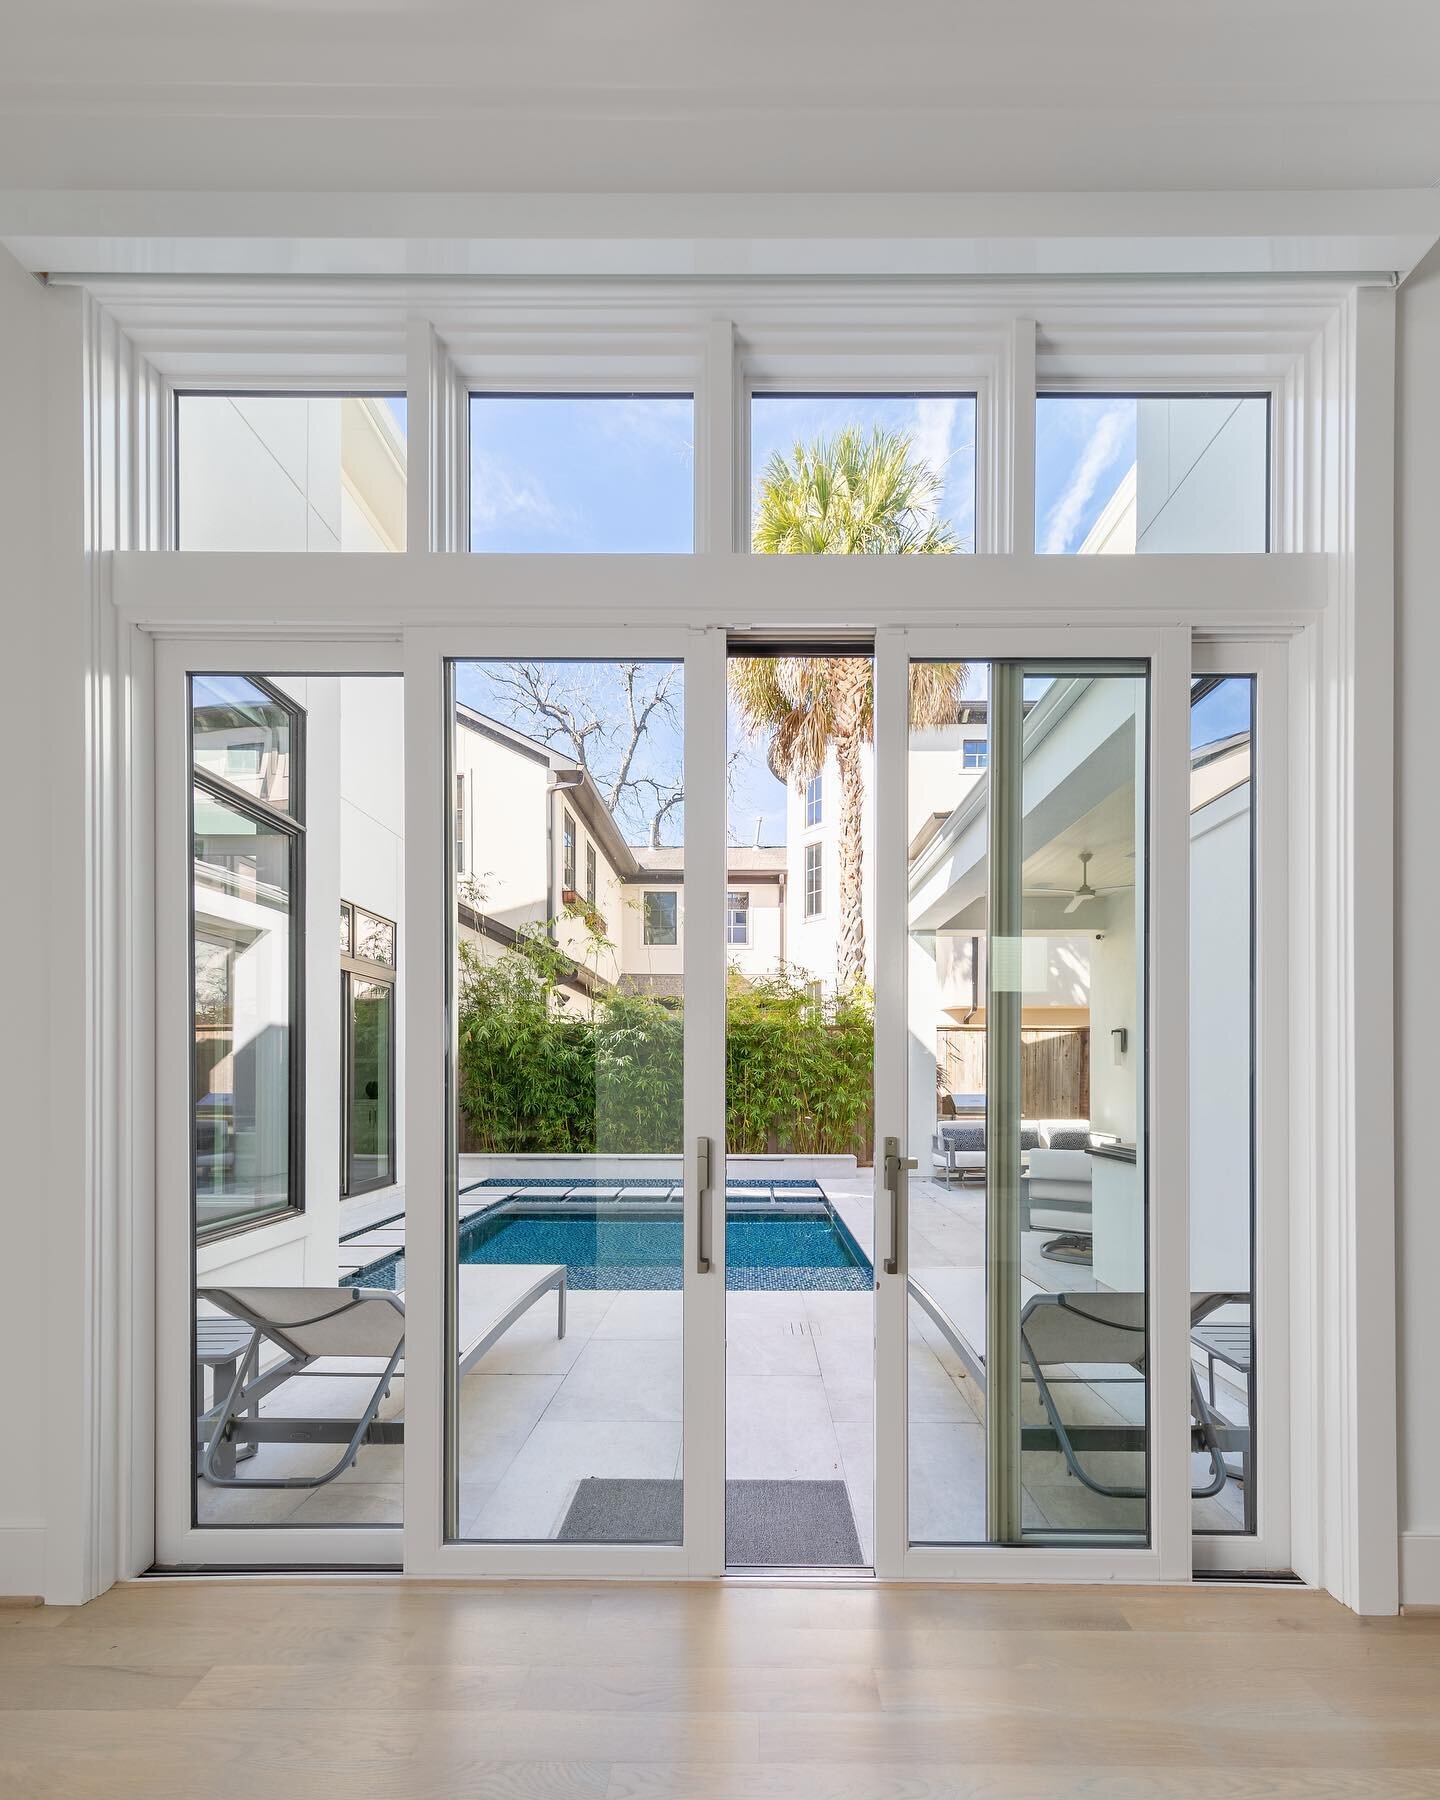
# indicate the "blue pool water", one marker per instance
pixel 799 1244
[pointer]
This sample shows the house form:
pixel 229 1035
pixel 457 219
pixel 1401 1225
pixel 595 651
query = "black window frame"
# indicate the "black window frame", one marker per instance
pixel 290 824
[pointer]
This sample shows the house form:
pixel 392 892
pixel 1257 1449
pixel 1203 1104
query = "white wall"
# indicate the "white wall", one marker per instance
pixel 1200 479
pixel 282 472
pixel 1417 997
pixel 31 1111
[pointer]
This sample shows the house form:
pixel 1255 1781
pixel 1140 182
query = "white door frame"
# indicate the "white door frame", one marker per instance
pixel 1166 649
pixel 424 652
pixel 428 867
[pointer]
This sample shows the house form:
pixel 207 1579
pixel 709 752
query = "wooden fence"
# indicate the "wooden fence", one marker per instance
pixel 1054 1069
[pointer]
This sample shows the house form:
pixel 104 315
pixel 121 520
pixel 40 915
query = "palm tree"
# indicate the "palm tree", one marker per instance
pixel 846 495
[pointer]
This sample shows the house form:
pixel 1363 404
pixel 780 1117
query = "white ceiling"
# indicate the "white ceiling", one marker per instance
pixel 715 96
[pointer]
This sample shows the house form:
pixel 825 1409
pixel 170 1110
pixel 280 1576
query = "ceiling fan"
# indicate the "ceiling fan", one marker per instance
pixel 1084 892
pixel 1077 896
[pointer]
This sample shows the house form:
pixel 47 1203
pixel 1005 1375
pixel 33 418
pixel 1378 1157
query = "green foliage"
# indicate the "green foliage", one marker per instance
pixel 797 1069
pixel 536 1075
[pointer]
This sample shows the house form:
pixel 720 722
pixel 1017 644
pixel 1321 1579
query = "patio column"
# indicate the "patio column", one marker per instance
pixel 1002 1103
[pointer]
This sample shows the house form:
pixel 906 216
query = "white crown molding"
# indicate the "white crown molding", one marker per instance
pixel 1050 235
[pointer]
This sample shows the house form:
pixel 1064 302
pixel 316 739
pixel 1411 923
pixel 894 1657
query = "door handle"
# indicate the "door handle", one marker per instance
pixel 702 1184
pixel 896 1167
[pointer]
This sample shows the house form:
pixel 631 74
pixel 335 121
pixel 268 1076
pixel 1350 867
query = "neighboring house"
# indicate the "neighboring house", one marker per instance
pixel 535 842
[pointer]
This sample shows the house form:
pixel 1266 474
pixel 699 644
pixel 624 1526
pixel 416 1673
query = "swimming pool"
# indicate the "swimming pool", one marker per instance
pixel 796 1243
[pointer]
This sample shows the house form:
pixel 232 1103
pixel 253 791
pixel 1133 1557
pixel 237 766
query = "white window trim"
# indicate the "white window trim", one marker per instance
pixel 1325 348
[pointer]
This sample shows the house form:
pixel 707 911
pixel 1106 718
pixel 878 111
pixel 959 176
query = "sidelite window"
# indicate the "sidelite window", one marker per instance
pixel 661 916
pixel 1127 474
pixel 367 1016
pixel 862 474
pixel 246 931
pixel 582 472
pixel 814 880
pixel 290 472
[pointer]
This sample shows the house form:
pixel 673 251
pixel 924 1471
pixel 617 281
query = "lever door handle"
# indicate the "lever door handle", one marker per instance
pixel 896 1168
pixel 702 1215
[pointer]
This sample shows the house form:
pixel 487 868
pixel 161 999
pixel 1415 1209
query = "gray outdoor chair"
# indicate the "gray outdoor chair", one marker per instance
pixel 345 1324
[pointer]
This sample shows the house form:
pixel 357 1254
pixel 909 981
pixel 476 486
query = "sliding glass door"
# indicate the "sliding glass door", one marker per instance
pixel 1023 1318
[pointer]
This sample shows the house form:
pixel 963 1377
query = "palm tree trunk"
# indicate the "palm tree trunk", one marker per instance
pixel 850 948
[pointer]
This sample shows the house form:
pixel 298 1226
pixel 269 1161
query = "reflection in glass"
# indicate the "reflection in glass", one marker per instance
pixel 1026 984
pixel 374 939
pixel 1119 474
pixel 290 472
pixel 582 472
pixel 241 735
pixel 243 878
pixel 568 1091
pixel 370 1100
pixel 1222 1053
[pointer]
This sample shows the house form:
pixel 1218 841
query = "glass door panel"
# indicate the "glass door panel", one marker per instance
pixel 1223 922
pixel 568 931
pixel 293 816
pixel 1026 995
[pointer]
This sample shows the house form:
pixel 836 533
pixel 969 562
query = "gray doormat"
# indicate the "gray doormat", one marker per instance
pixel 768 1524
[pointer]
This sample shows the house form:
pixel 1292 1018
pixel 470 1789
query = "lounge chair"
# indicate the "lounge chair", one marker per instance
pixel 1105 1329
pixel 345 1324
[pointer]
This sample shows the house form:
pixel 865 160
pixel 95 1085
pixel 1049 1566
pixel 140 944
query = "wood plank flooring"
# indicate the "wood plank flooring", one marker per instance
pixel 192 1690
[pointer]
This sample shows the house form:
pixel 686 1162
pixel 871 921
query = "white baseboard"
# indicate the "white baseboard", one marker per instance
pixel 22 1557
pixel 1420 1568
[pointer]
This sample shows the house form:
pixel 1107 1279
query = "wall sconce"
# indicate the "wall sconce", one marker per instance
pixel 1120 1038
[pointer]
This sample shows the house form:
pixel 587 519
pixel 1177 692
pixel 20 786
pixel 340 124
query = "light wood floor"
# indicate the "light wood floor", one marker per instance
pixel 341 1691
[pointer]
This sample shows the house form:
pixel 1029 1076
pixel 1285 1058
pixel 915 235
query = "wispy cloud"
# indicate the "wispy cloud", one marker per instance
pixel 943 440
pixel 654 423
pixel 499 498
pixel 1063 520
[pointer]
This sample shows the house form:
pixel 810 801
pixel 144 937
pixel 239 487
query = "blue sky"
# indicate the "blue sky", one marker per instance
pixel 609 472
pixel 1084 447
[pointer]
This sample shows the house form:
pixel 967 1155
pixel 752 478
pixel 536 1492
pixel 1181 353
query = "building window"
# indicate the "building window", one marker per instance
pixel 814 881
pixel 975 754
pixel 737 918
pixel 367 1075
pixel 814 800
pixel 592 876
pixel 567 854
pixel 662 913
pixel 459 824
pixel 246 934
